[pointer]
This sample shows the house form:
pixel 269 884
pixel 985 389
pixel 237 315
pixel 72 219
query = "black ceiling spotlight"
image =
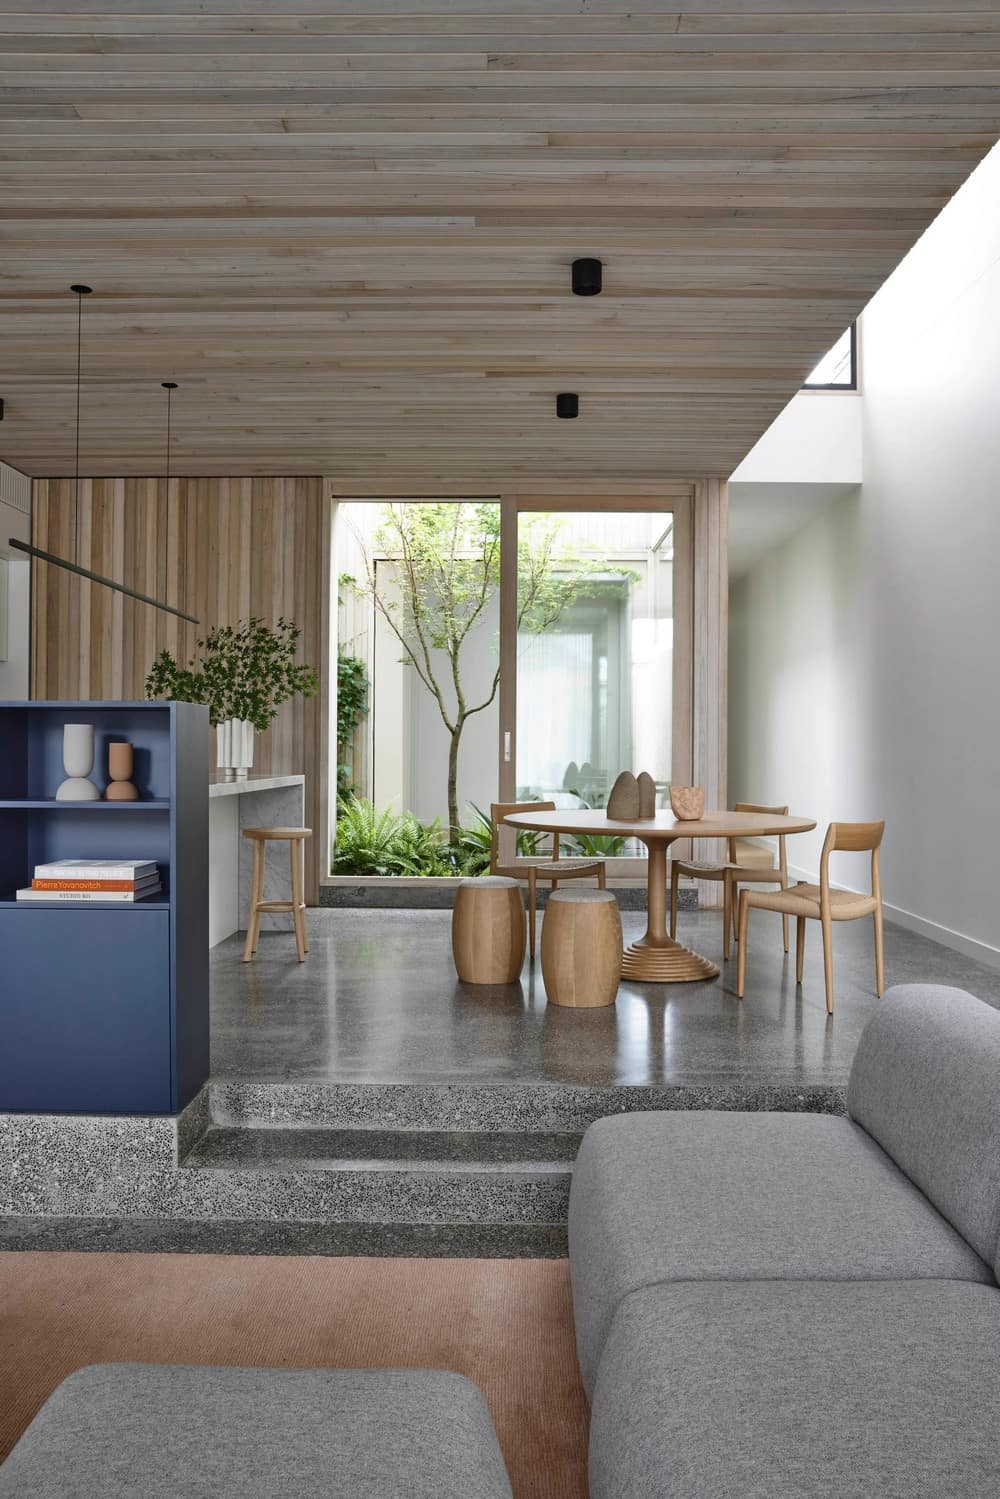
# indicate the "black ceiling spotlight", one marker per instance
pixel 587 277
pixel 567 404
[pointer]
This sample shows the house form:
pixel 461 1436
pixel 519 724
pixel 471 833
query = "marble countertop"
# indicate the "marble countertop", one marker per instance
pixel 252 783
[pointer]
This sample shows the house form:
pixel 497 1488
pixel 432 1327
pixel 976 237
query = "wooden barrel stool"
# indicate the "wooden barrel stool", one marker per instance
pixel 488 930
pixel 581 948
pixel 295 838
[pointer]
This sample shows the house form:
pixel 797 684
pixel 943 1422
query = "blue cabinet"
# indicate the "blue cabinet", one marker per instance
pixel 104 1007
pixel 86 1011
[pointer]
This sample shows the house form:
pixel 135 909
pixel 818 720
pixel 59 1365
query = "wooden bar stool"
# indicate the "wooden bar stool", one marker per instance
pixel 581 948
pixel 295 838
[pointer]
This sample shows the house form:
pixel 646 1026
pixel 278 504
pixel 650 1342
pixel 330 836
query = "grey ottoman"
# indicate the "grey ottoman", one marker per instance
pixel 140 1431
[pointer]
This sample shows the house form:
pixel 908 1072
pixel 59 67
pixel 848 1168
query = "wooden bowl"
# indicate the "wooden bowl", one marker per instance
pixel 687 802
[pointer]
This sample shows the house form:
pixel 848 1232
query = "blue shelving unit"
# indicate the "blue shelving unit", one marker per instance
pixel 104 1006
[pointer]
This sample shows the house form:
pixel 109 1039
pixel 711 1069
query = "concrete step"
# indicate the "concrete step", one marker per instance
pixel 384 1177
pixel 505 1108
pixel 306 1149
pixel 333 1168
pixel 249 1236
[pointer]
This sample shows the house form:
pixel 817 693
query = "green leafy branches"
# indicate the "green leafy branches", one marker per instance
pixel 352 705
pixel 246 671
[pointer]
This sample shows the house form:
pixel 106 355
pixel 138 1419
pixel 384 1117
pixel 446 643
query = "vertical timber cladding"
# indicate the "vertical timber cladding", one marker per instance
pixel 710 659
pixel 221 549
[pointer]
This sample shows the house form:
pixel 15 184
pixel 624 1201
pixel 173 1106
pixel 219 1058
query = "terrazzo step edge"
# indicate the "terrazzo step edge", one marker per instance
pixel 544 1108
pixel 253 1236
pixel 319 1196
pixel 260 1148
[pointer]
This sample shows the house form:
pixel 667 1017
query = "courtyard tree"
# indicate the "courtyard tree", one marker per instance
pixel 446 571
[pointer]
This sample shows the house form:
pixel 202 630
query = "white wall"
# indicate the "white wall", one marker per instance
pixel 15 600
pixel 864 673
pixel 816 439
pixel 15 587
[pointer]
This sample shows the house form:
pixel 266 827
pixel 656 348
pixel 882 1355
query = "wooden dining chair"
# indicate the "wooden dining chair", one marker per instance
pixel 733 872
pixel 821 903
pixel 553 870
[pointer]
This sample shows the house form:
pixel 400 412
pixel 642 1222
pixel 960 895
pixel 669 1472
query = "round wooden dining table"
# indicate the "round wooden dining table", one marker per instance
pixel 656 958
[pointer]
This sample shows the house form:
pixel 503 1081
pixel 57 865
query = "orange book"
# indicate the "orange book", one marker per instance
pixel 89 884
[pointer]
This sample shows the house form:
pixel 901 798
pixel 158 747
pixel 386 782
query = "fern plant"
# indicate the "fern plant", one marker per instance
pixel 370 842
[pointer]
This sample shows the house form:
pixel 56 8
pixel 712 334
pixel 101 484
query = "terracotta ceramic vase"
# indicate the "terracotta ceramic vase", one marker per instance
pixel 687 802
pixel 120 761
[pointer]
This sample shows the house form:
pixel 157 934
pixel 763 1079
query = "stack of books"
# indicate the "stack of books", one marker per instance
pixel 121 880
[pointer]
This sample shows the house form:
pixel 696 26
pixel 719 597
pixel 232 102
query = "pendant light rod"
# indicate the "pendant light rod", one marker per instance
pixel 74 567
pixel 83 572
pixel 80 291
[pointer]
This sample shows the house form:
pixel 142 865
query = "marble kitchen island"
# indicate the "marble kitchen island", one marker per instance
pixel 257 801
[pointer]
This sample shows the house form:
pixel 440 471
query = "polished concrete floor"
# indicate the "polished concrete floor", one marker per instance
pixel 377 1000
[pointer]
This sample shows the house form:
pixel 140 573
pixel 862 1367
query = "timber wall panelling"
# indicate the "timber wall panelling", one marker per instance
pixel 220 548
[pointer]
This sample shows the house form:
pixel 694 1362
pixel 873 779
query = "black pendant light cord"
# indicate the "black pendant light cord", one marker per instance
pixel 170 388
pixel 40 555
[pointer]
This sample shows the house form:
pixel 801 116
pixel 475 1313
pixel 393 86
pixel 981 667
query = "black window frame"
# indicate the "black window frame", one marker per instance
pixel 852 384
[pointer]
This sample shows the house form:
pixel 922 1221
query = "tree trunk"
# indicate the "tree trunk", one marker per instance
pixel 453 825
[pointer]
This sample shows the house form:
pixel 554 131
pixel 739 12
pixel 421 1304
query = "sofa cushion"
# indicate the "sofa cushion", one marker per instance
pixel 926 1084
pixel 726 1196
pixel 794 1390
pixel 137 1431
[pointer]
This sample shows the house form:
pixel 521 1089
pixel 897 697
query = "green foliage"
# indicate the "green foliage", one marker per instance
pixel 589 845
pixel 352 705
pixel 595 846
pixel 473 844
pixel 246 670
pixel 386 843
pixel 423 847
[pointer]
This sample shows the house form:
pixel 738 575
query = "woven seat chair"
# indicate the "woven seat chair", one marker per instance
pixel 821 903
pixel 733 872
pixel 551 870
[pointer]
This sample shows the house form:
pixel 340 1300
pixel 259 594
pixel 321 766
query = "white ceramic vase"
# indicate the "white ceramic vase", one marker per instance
pixel 234 748
pixel 78 762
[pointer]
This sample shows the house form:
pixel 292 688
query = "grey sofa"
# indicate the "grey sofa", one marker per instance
pixel 772 1305
pixel 140 1431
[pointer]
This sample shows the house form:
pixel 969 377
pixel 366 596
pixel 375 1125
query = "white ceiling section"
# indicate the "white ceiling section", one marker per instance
pixel 345 226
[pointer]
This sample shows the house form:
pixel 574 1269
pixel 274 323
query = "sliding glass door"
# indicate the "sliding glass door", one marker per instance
pixel 501 650
pixel 418 632
pixel 596 654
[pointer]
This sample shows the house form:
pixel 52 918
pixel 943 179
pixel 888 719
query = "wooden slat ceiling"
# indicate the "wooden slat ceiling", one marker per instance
pixel 345 226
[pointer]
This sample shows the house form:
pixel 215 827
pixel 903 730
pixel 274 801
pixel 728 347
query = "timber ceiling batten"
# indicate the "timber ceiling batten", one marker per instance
pixel 360 218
